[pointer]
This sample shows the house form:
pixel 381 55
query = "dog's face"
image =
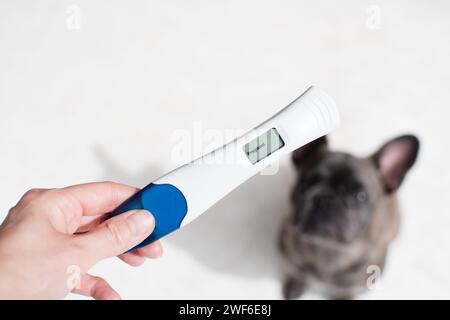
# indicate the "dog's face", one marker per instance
pixel 337 193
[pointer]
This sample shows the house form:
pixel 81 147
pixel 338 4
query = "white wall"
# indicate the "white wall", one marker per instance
pixel 101 103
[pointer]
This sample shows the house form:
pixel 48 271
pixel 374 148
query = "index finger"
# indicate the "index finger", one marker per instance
pixel 90 199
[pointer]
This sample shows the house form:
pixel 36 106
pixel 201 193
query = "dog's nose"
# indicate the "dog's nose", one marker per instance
pixel 325 205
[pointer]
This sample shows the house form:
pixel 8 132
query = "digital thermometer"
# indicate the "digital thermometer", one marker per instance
pixel 183 194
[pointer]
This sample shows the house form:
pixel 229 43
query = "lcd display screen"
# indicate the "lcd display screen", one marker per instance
pixel 263 146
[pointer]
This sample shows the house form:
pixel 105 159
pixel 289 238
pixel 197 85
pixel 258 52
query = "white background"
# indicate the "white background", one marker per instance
pixel 102 103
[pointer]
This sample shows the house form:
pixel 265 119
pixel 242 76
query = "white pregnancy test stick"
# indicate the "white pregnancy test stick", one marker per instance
pixel 180 196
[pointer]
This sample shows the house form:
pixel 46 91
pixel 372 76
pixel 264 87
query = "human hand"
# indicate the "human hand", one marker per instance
pixel 53 232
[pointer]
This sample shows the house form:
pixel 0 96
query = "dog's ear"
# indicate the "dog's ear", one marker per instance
pixel 394 159
pixel 309 152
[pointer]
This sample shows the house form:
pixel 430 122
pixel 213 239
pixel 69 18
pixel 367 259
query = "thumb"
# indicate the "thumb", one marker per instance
pixel 116 235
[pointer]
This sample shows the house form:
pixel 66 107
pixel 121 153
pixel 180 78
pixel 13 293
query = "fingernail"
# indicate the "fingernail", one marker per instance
pixel 140 222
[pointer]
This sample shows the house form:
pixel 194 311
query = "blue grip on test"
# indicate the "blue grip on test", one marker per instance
pixel 166 203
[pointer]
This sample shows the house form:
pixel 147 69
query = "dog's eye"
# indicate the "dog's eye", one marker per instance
pixel 361 196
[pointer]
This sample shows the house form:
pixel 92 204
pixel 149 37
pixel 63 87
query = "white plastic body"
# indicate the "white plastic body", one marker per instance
pixel 209 178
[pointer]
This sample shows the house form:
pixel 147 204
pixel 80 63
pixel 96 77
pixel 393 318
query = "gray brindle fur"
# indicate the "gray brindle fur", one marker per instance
pixel 344 216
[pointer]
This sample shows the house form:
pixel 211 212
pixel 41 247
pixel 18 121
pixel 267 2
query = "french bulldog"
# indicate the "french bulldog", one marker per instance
pixel 344 216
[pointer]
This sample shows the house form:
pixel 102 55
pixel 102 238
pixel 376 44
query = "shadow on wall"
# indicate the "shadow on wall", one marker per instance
pixel 238 235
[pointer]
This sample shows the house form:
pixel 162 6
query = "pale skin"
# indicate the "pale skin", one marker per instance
pixel 52 233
